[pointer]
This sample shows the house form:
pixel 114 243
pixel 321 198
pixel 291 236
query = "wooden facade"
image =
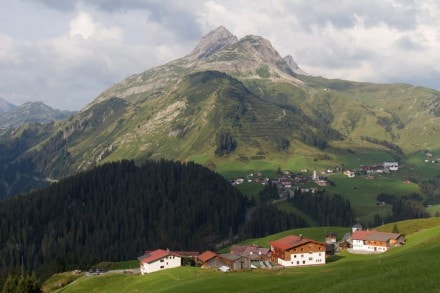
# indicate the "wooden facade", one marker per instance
pixel 297 251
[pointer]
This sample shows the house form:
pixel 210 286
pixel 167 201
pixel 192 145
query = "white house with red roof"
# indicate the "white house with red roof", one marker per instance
pixel 375 241
pixel 292 251
pixel 153 261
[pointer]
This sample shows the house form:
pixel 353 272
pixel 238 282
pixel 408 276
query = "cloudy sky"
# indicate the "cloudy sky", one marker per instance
pixel 65 52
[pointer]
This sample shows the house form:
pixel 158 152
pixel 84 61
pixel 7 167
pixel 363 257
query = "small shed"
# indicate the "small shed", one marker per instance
pixel 234 261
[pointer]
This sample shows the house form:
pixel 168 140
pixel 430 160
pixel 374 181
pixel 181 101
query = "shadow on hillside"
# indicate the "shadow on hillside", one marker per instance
pixel 334 258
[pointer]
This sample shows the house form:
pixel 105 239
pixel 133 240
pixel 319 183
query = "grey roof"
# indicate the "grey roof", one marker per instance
pixel 230 256
pixel 381 236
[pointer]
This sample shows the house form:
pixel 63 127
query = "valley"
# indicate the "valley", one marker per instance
pixel 151 161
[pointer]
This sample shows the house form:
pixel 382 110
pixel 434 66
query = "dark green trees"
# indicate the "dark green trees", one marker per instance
pixel 116 212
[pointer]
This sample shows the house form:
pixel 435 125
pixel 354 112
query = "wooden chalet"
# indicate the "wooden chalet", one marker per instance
pixel 292 251
pixel 375 241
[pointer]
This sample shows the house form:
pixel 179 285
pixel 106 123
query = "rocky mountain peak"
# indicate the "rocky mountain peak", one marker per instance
pixel 293 65
pixel 213 42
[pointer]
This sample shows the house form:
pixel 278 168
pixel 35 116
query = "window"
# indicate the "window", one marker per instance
pixel 161 267
pixel 302 255
pixel 310 258
pixel 161 260
pixel 297 262
pixel 294 256
pixel 304 262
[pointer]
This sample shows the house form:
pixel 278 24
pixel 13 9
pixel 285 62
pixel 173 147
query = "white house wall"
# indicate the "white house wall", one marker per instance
pixel 166 262
pixel 360 246
pixel 304 259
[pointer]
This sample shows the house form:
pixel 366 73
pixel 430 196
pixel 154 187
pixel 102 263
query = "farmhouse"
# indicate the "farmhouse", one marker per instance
pixel 208 259
pixel 392 166
pixel 349 173
pixel 157 260
pixel 293 251
pixel 375 241
pixel 225 261
pixel 234 261
pixel 286 182
pixel 252 252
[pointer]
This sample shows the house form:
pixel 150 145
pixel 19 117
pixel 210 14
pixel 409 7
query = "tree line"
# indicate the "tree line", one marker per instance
pixel 115 212
pixel 327 210
pixel 432 189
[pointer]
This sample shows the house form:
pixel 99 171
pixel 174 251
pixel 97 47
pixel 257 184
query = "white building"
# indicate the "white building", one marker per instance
pixel 157 260
pixel 375 241
pixel 392 166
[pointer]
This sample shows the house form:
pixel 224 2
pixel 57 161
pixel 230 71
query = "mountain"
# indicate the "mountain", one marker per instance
pixel 5 105
pixel 233 105
pixel 31 112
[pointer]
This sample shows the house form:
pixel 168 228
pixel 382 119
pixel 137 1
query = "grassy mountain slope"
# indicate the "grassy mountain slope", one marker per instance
pixel 407 268
pixel 235 108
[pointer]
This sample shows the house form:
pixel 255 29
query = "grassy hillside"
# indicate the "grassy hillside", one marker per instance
pixel 406 269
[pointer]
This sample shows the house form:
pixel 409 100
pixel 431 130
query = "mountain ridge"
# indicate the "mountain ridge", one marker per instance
pixel 32 112
pixel 5 105
pixel 241 104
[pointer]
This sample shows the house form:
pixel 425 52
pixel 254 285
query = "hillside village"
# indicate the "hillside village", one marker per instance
pixel 289 181
pixel 287 252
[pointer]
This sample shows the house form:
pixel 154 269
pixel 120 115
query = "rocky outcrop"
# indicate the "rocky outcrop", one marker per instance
pixel 212 43
pixel 293 65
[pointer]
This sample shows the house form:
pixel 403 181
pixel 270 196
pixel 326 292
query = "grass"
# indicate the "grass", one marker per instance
pixel 59 280
pixel 362 192
pixel 251 189
pixel 406 269
pixel 432 210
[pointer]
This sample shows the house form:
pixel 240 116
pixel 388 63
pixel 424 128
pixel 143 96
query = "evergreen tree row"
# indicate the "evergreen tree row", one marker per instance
pixel 432 189
pixel 327 210
pixel 116 212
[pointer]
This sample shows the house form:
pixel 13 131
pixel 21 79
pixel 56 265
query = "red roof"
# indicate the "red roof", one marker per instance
pixel 151 256
pixel 207 255
pixel 291 241
pixel 361 235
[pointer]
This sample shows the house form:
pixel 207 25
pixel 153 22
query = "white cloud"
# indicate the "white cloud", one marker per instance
pixel 82 25
pixel 74 49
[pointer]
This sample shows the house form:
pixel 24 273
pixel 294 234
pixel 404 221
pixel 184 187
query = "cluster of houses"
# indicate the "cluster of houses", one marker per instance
pixel 289 251
pixel 430 159
pixel 386 167
pixel 288 180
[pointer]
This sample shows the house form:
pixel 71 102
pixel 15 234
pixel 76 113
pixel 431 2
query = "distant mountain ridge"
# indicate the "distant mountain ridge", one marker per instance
pixel 5 105
pixel 32 112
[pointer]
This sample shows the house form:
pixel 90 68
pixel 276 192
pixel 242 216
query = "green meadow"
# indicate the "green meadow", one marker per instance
pixel 412 267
